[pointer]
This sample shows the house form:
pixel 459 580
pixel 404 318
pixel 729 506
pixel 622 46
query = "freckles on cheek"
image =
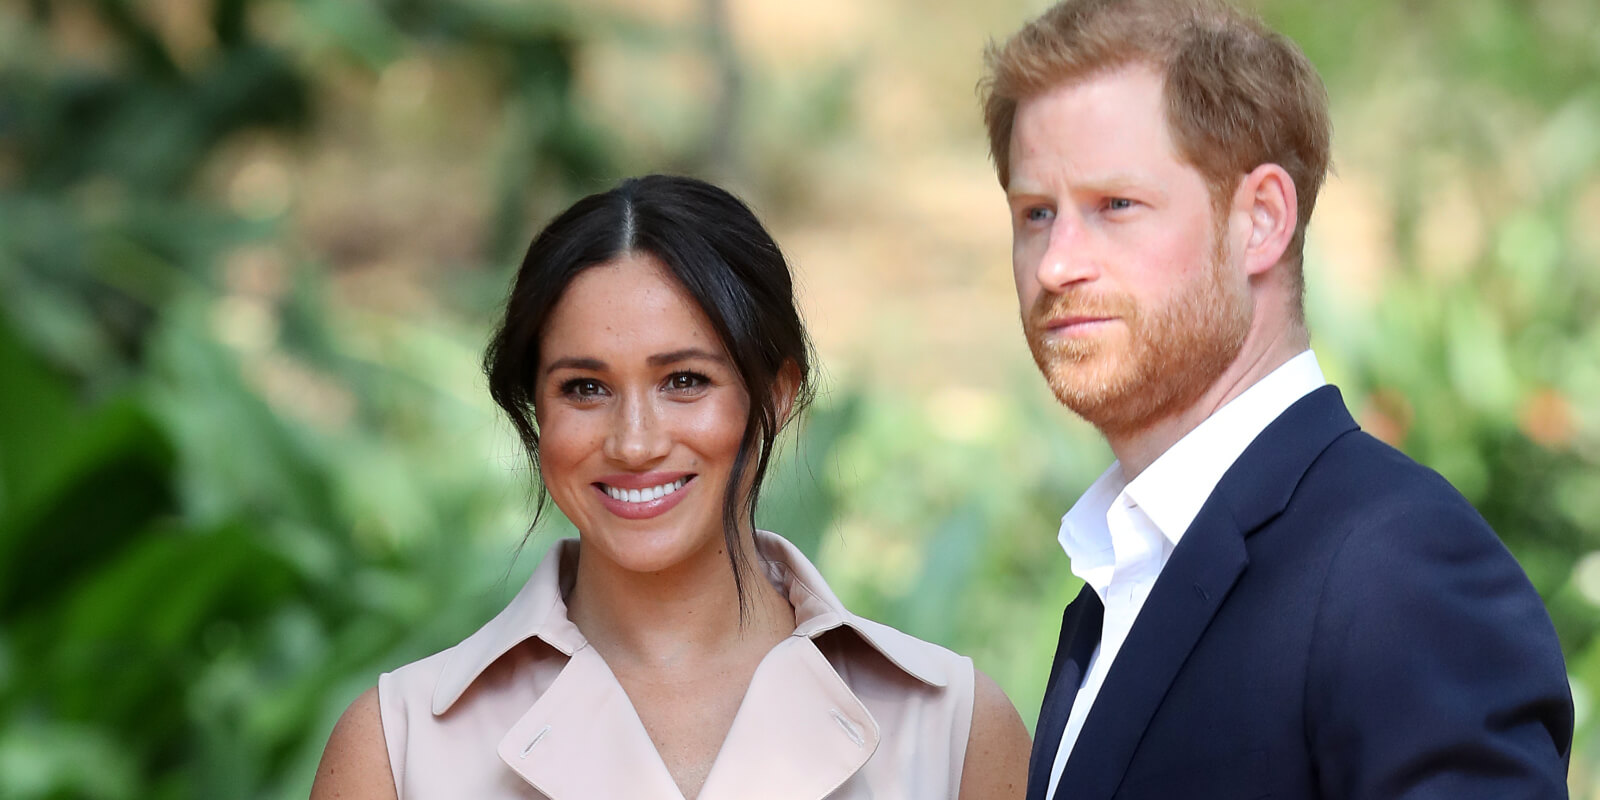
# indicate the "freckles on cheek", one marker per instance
pixel 563 444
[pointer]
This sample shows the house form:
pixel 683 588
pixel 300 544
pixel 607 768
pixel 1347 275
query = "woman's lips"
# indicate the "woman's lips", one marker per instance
pixel 643 496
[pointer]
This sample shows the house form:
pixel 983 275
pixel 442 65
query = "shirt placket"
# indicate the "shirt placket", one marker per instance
pixel 1133 555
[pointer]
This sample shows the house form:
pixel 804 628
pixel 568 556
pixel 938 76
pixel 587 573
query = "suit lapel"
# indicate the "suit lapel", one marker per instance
pixel 1192 588
pixel 1081 625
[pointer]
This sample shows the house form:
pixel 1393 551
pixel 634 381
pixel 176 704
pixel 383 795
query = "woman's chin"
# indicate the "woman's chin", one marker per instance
pixel 650 551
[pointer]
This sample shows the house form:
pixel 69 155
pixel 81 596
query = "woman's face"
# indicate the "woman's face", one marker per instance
pixel 640 415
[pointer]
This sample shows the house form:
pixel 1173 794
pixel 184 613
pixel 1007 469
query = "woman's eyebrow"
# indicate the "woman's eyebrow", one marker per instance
pixel 589 364
pixel 686 354
pixel 660 359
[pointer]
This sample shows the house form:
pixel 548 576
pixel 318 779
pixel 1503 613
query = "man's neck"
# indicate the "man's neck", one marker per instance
pixel 1137 449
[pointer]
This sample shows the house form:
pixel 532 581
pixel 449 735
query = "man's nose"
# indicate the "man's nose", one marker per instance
pixel 637 436
pixel 1068 257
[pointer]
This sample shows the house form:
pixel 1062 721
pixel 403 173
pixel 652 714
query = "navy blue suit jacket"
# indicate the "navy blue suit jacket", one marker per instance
pixel 1337 623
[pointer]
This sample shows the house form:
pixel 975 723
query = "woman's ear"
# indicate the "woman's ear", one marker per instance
pixel 1267 199
pixel 784 389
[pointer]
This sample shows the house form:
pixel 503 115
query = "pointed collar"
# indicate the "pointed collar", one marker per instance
pixel 540 611
pixel 1172 490
pixel 817 610
pixel 1175 486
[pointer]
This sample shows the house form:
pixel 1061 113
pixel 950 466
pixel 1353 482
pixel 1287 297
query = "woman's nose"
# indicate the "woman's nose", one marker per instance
pixel 637 436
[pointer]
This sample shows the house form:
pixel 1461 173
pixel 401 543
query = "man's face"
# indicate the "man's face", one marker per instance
pixel 1130 302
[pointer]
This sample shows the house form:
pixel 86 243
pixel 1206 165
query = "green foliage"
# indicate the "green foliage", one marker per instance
pixel 194 579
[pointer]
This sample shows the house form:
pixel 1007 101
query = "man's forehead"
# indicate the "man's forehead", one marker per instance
pixel 1110 128
pixel 1111 95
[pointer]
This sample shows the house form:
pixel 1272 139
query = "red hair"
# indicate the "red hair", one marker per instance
pixel 1238 95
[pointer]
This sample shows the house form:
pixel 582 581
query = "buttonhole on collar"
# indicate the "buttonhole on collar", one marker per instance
pixel 850 728
pixel 536 738
pixel 1201 590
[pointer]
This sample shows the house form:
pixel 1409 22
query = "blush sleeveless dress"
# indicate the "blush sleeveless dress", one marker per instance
pixel 524 709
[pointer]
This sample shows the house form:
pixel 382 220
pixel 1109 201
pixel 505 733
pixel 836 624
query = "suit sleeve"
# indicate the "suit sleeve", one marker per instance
pixel 1435 672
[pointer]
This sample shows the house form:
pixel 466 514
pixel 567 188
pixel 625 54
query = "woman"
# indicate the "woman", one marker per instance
pixel 650 353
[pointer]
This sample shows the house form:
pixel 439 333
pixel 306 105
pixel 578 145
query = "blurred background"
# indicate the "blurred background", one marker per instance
pixel 250 251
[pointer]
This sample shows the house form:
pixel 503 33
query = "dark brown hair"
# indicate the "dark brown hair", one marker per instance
pixel 717 250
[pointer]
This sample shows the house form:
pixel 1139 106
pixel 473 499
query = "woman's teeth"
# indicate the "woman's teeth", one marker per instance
pixel 645 495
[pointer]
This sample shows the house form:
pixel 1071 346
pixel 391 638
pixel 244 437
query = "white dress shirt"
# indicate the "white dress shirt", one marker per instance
pixel 1120 534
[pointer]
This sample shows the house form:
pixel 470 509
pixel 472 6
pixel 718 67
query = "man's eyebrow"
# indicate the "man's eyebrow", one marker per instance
pixel 1014 195
pixel 1022 188
pixel 588 364
pixel 1119 182
pixel 686 354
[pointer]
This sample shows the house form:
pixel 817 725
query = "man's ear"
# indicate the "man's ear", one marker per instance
pixel 1266 197
pixel 784 389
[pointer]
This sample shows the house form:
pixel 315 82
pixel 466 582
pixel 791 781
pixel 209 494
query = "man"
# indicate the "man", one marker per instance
pixel 1276 604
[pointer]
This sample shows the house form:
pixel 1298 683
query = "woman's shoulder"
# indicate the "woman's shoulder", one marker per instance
pixel 355 763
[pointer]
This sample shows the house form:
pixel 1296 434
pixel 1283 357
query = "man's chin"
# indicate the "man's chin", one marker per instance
pixel 1094 407
pixel 1085 392
pixel 1111 400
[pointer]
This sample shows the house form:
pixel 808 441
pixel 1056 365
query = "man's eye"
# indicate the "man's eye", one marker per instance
pixel 1037 214
pixel 1119 204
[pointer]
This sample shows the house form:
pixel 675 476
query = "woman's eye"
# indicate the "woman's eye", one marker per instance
pixel 582 388
pixel 686 381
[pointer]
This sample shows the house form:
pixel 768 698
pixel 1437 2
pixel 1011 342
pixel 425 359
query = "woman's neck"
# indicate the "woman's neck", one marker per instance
pixel 678 617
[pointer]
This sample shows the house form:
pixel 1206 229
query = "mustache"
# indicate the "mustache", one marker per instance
pixel 1078 303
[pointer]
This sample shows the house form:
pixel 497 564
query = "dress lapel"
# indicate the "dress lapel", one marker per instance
pixel 1193 586
pixel 1081 626
pixel 800 732
pixel 583 740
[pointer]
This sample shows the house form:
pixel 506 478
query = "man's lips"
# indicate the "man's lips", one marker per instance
pixel 1078 323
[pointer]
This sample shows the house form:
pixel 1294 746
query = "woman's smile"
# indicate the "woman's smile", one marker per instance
pixel 642 496
pixel 640 416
